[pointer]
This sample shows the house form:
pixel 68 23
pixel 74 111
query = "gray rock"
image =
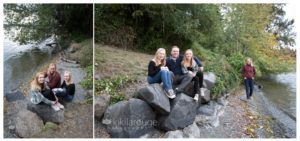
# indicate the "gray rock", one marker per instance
pixel 152 134
pixel 11 127
pixel 183 112
pixel 222 101
pixel 209 109
pixel 14 96
pixel 155 96
pixel 206 98
pixel 129 119
pixel 28 124
pixel 209 80
pixel 46 113
pixel 192 131
pixel 174 134
pixel 215 122
pixel 100 104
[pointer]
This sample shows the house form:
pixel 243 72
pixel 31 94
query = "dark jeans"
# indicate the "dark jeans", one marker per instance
pixel 198 82
pixel 182 80
pixel 65 96
pixel 49 95
pixel 249 87
pixel 200 76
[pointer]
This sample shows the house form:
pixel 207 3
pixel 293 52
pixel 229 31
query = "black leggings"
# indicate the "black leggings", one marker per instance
pixel 49 95
pixel 198 82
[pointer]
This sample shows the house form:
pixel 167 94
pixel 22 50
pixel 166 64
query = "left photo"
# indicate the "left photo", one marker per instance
pixel 48 71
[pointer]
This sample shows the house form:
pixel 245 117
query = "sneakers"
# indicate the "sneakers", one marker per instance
pixel 170 94
pixel 60 105
pixel 55 107
pixel 202 92
pixel 196 97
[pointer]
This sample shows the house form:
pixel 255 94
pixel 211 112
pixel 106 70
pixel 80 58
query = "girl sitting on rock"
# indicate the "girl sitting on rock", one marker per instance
pixel 158 72
pixel 190 67
pixel 67 88
pixel 40 92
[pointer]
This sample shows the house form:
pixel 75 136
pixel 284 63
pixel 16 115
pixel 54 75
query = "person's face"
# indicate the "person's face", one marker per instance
pixel 161 55
pixel 175 52
pixel 248 61
pixel 52 69
pixel 41 79
pixel 189 55
pixel 66 77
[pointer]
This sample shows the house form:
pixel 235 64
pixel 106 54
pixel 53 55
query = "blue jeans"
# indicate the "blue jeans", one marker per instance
pixel 249 87
pixel 65 96
pixel 162 76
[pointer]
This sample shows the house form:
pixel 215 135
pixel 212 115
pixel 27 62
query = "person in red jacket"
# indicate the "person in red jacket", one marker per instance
pixel 248 72
pixel 53 77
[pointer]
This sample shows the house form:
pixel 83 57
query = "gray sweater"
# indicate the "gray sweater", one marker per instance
pixel 37 97
pixel 194 66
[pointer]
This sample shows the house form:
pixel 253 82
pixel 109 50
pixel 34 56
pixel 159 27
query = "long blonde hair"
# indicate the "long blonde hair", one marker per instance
pixel 185 62
pixel 70 77
pixel 251 63
pixel 35 85
pixel 157 60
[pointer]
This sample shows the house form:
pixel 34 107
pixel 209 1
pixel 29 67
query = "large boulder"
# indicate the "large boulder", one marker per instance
pixel 129 119
pixel 209 80
pixel 46 113
pixel 206 98
pixel 100 104
pixel 183 112
pixel 14 96
pixel 208 114
pixel 28 124
pixel 155 96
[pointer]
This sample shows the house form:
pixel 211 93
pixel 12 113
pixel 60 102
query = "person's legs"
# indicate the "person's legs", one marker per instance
pixel 154 79
pixel 49 95
pixel 247 88
pixel 251 87
pixel 196 85
pixel 200 76
pixel 166 79
pixel 184 81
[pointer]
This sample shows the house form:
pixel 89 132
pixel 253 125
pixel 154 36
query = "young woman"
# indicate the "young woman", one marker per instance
pixel 158 72
pixel 39 92
pixel 67 88
pixel 248 72
pixel 190 67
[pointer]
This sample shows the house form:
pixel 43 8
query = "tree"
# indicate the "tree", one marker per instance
pixel 27 23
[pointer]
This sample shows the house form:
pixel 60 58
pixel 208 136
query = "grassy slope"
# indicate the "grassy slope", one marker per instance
pixel 115 61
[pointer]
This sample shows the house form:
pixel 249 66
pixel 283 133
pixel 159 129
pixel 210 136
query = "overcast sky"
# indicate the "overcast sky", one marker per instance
pixel 291 13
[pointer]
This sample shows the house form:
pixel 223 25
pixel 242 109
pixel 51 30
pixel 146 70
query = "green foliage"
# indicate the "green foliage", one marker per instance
pixel 30 23
pixel 87 83
pixel 86 55
pixel 112 87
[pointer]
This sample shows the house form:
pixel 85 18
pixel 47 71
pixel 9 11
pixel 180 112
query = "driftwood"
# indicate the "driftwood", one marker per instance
pixel 63 57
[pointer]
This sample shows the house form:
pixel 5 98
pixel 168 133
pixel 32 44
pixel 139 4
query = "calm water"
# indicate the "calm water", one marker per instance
pixel 280 89
pixel 21 61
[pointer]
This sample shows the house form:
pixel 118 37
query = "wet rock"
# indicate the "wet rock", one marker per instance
pixel 209 80
pixel 155 96
pixel 192 131
pixel 28 124
pixel 183 112
pixel 14 96
pixel 100 104
pixel 174 134
pixel 129 119
pixel 46 113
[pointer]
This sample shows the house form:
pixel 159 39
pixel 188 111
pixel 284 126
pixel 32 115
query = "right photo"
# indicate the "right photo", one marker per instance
pixel 194 71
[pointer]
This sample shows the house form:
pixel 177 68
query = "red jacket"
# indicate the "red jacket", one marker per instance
pixel 248 71
pixel 54 80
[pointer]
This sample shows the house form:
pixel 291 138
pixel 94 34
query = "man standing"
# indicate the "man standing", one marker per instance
pixel 53 76
pixel 174 65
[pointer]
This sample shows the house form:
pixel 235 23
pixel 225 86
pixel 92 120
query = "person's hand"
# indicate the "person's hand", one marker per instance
pixel 252 78
pixel 245 78
pixel 164 68
pixel 201 69
pixel 192 74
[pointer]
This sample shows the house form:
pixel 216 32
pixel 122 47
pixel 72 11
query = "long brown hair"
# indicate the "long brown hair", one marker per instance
pixel 35 85
pixel 157 60
pixel 185 62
